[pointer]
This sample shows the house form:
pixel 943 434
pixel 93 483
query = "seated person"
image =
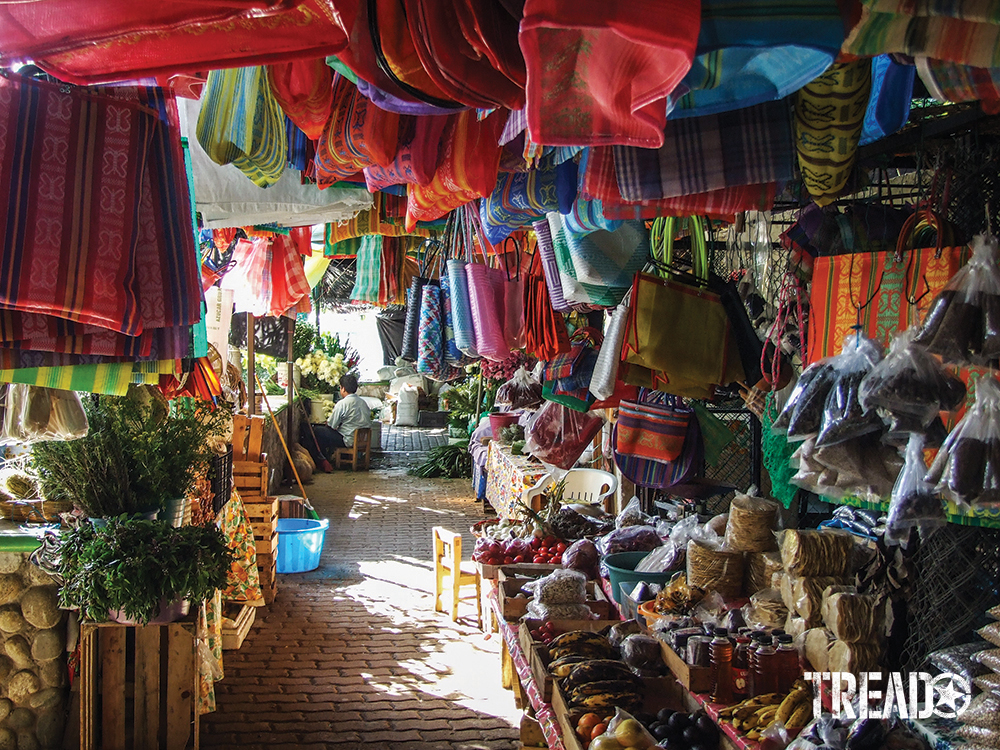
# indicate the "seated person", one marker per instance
pixel 351 413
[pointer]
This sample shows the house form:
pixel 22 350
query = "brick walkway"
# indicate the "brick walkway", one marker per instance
pixel 352 655
pixel 409 439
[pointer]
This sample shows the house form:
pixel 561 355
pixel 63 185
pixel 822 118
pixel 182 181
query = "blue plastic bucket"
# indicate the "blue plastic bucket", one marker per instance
pixel 300 543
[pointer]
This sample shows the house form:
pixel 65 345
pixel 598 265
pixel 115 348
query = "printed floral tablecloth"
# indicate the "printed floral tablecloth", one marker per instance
pixel 244 580
pixel 507 477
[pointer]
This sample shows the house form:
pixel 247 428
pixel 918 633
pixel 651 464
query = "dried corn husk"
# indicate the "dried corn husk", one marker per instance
pixel 760 567
pixel 853 657
pixel 714 569
pixel 815 552
pixel 851 617
pixel 751 524
pixel 817 648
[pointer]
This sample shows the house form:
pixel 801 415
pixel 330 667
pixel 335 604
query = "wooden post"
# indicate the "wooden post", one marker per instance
pixel 290 388
pixel 251 368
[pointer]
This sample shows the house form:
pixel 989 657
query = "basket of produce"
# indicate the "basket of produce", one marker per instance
pixel 479 528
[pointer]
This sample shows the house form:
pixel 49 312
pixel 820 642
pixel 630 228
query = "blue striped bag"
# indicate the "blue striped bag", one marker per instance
pixel 661 475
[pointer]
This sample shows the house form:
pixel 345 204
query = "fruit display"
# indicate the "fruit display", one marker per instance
pixel 754 716
pixel 490 551
pixel 677 730
pixel 590 675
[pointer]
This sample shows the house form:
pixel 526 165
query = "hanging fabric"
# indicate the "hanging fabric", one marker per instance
pixel 430 334
pixel 371 221
pixel 357 134
pixel 468 168
pixel 517 200
pixel 889 101
pixel 491 30
pixel 70 252
pixel 601 73
pixel 588 216
pixel 289 286
pixel 893 289
pixel 304 90
pixel 241 123
pixel 417 154
pixel 414 300
pixel 953 82
pixel 659 474
pixel 965 33
pixel 602 385
pixel 457 69
pixel 745 147
pixel 826 143
pixel 368 276
pixel 126 48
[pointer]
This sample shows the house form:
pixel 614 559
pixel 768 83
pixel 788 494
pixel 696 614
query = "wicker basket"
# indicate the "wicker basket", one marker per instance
pixel 39 511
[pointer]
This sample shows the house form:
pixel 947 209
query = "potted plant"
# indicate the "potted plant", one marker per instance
pixel 139 454
pixel 138 571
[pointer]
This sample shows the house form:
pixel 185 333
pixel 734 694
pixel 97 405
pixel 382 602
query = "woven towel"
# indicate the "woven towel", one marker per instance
pixel 367 282
pixel 241 123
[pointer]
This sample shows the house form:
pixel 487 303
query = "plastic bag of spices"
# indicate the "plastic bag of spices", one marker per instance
pixel 843 416
pixel 967 468
pixel 963 323
pixel 803 412
pixel 914 501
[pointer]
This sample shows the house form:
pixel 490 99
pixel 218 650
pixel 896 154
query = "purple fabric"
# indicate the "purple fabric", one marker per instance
pixel 391 103
pixel 549 267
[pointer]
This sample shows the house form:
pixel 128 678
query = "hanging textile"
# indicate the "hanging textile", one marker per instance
pixel 289 286
pixel 130 50
pixel 243 581
pixel 241 123
pixel 358 134
pixel 468 168
pixel 756 51
pixel 491 30
pixel 368 277
pixel 416 159
pixel 889 101
pixel 745 147
pixel 457 69
pixel 965 33
pixel 430 332
pixel 545 334
pixel 304 90
pixel 372 221
pixel 952 82
pixel 110 378
pixel 268 278
pixel 225 198
pixel 829 114
pixel 599 73
pixel 69 227
pixel 518 199
pixel 588 216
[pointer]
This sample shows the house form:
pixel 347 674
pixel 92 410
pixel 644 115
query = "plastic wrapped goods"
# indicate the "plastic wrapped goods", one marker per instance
pixel 967 468
pixel 714 569
pixel 760 566
pixel 978 738
pixel 795 626
pixel 963 323
pixel 582 555
pixel 983 712
pixel 990 658
pixel 562 586
pixel 804 595
pixel 910 384
pixel 960 659
pixel 803 413
pixel 520 392
pixel 853 657
pixel 766 610
pixel 817 643
pixel 988 683
pixel 991 633
pixel 751 523
pixel 629 539
pixel 914 501
pixel 843 416
pixel 558 435
pixel 810 552
pixel 851 617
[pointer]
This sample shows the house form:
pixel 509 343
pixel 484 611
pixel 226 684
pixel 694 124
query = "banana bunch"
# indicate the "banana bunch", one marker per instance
pixel 590 676
pixel 756 715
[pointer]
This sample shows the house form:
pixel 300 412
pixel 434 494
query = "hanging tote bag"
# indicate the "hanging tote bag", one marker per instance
pixel 486 300
pixel 430 336
pixel 899 285
pixel 597 268
pixel 550 268
pixel 545 334
pixel 677 325
pixel 662 475
pixel 649 427
pixel 602 385
pixel 513 296
pixel 414 298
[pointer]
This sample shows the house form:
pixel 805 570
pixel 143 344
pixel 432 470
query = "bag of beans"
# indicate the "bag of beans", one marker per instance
pixel 843 416
pixel 914 501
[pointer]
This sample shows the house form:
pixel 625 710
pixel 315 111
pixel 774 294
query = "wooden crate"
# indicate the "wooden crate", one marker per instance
pixel 514 607
pixel 264 520
pixel 138 686
pixel 267 568
pixel 266 545
pixel 248 437
pixel 236 625
pixel 250 480
pixel 695 679
pixel 291 507
pixel 538 655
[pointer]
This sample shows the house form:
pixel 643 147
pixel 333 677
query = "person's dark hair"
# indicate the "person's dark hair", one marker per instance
pixel 349 382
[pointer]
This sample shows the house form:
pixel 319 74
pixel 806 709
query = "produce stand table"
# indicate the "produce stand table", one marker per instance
pixel 543 711
pixel 507 477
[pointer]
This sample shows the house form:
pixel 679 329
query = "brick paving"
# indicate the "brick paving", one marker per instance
pixel 411 439
pixel 352 655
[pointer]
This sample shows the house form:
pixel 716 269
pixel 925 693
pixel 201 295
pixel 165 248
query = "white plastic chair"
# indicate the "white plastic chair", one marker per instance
pixel 586 486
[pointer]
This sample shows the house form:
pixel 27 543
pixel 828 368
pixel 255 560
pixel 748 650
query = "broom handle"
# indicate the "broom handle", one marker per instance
pixel 281 437
pixel 312 432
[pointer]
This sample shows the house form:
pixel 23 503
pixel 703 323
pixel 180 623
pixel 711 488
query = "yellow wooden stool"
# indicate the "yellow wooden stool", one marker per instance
pixel 448 564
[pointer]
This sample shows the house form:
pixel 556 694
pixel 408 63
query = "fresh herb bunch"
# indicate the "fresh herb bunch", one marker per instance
pixel 462 404
pixel 136 566
pixel 137 454
pixel 447 461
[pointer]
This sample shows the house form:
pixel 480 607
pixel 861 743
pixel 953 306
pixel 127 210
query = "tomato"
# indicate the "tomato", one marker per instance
pixel 519 559
pixel 538 559
pixel 561 547
pixel 588 722
pixel 508 561
pixel 549 541
pixel 598 730
pixel 535 542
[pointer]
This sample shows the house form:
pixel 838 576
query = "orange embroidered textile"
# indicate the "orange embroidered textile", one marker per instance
pixel 304 89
